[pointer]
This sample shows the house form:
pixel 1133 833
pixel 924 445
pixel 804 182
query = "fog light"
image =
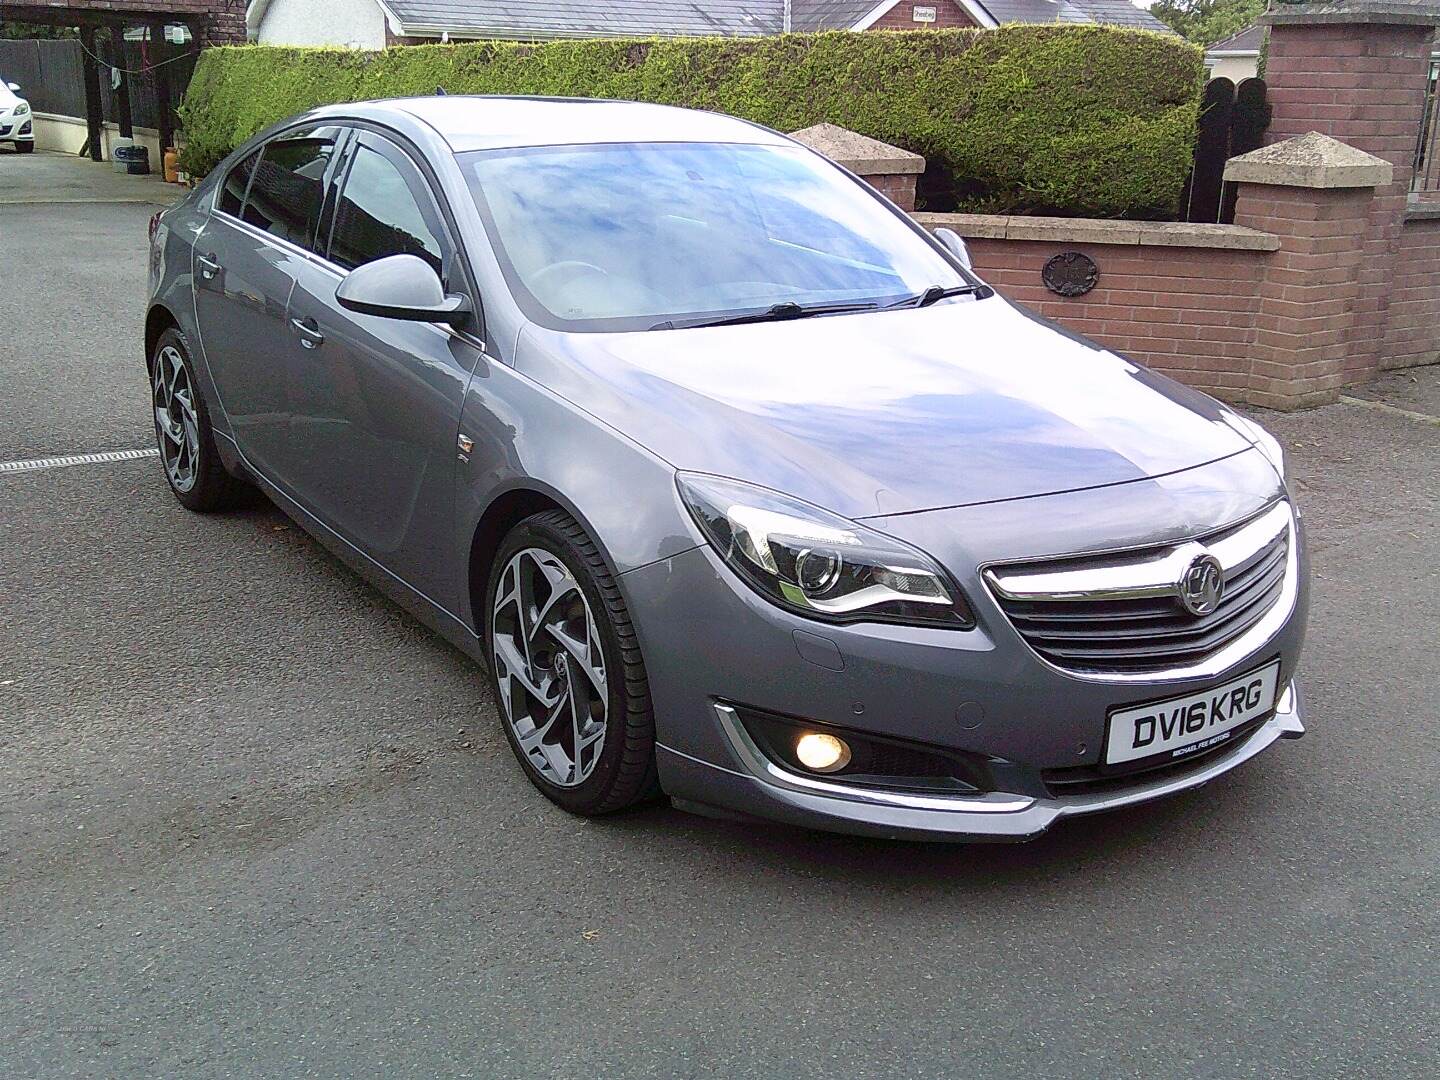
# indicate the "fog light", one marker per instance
pixel 822 753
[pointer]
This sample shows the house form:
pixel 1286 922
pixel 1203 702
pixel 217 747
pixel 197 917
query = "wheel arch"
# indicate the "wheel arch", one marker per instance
pixel 506 510
pixel 157 320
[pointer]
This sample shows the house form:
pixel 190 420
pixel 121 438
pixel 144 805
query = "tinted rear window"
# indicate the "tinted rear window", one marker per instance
pixel 289 187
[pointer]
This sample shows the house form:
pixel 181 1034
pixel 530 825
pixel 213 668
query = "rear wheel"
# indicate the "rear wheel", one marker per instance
pixel 182 430
pixel 567 669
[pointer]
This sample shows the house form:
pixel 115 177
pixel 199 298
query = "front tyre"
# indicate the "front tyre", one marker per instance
pixel 567 670
pixel 192 465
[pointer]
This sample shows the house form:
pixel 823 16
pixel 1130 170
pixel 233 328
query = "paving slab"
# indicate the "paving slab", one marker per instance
pixel 49 177
pixel 1415 389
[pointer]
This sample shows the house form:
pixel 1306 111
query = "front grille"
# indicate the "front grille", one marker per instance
pixel 1136 622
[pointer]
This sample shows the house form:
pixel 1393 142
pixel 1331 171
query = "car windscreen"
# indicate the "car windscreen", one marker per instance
pixel 614 237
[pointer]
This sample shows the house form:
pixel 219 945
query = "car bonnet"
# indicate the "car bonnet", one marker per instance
pixel 966 402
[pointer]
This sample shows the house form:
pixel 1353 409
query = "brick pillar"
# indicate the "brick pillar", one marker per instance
pixel 1356 70
pixel 222 24
pixel 888 169
pixel 1318 196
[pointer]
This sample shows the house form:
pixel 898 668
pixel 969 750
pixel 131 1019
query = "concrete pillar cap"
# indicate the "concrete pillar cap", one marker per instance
pixel 1380 12
pixel 1310 161
pixel 858 153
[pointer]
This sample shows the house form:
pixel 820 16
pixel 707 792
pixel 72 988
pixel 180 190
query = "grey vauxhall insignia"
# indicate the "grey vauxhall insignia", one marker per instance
pixel 743 487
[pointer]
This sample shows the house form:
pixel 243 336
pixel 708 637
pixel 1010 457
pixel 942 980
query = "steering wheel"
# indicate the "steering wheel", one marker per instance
pixel 567 268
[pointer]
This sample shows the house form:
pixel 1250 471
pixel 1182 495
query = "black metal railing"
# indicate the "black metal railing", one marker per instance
pixel 1427 153
pixel 1233 120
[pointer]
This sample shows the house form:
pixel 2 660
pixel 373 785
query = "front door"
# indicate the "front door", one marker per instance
pixel 373 435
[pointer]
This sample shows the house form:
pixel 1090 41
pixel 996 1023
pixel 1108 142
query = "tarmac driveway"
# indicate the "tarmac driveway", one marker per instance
pixel 254 821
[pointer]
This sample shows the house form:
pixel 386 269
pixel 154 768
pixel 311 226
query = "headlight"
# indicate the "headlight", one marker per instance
pixel 818 563
pixel 23 109
pixel 1266 443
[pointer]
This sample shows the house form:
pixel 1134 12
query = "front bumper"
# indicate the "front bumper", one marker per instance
pixel 981 693
pixel 764 790
pixel 17 128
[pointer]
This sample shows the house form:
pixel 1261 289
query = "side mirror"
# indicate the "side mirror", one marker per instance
pixel 953 244
pixel 401 287
pixel 15 86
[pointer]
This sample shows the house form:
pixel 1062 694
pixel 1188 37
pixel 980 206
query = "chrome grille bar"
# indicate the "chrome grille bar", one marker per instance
pixel 1117 616
pixel 1130 578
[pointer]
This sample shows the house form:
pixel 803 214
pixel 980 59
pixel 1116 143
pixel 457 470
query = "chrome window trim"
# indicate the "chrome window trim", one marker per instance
pixel 1222 660
pixel 762 768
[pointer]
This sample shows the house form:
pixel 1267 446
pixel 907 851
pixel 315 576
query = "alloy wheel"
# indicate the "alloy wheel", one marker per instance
pixel 175 419
pixel 550 667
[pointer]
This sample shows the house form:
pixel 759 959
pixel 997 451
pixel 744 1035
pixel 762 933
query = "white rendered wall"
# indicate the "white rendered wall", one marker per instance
pixel 354 24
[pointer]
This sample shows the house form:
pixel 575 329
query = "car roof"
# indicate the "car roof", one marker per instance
pixel 488 123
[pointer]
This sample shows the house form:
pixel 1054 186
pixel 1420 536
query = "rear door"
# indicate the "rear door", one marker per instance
pixel 261 230
pixel 374 445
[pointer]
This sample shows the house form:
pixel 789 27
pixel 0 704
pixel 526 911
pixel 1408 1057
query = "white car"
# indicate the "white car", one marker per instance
pixel 17 126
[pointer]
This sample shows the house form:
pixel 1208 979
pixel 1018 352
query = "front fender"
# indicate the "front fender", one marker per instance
pixel 528 438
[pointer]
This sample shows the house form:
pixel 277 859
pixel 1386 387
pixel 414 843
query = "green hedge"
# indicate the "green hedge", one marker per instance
pixel 1081 120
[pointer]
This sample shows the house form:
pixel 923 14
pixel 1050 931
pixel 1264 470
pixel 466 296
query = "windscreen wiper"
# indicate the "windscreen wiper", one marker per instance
pixel 780 312
pixel 936 293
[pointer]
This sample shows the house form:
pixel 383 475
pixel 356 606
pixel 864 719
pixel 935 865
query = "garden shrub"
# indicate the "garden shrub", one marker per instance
pixel 1079 120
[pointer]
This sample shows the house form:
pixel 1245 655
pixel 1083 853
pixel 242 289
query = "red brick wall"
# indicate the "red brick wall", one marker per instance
pixel 1363 84
pixel 1309 310
pixel 1412 335
pixel 1273 328
pixel 1188 312
pixel 1354 286
pixel 899 188
pixel 948 16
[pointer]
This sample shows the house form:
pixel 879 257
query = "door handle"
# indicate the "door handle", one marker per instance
pixel 308 331
pixel 209 267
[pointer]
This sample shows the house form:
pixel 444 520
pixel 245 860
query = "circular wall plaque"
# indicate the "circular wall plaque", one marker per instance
pixel 1070 274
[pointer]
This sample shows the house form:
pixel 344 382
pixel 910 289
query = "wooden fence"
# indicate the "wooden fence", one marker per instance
pixel 1232 121
pixel 51 76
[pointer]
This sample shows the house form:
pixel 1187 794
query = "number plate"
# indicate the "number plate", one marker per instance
pixel 1180 726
